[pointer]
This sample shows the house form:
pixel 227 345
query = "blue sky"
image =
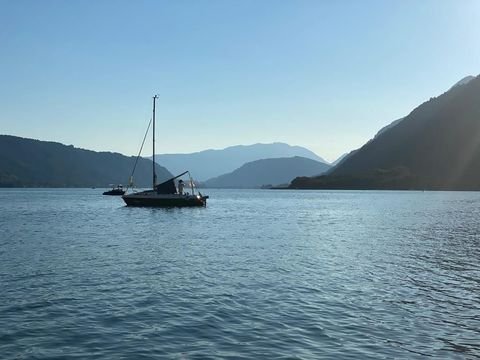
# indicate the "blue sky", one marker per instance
pixel 321 74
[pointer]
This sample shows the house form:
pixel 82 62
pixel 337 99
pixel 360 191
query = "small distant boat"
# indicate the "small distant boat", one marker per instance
pixel 165 194
pixel 116 190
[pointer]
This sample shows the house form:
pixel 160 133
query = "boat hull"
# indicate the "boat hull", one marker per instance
pixel 165 201
pixel 114 192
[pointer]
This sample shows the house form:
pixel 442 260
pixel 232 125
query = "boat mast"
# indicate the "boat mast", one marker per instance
pixel 153 157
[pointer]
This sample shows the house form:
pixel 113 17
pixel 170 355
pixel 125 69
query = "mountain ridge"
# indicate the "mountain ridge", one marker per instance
pixel 26 162
pixel 436 146
pixel 263 172
pixel 211 163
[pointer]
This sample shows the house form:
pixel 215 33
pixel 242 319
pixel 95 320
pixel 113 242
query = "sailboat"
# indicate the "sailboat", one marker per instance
pixel 166 193
pixel 116 190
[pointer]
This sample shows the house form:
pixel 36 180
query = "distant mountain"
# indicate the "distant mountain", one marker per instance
pixel 211 163
pixel 437 146
pixel 268 172
pixel 34 163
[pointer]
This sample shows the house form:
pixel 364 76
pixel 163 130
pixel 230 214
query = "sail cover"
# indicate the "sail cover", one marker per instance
pixel 168 187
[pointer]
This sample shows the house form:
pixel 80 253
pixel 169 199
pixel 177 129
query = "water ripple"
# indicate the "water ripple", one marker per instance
pixel 256 274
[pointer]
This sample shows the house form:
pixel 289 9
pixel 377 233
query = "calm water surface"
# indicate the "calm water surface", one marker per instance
pixel 256 274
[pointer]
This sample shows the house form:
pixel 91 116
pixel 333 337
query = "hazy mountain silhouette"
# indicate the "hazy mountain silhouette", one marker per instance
pixel 34 163
pixel 211 163
pixel 268 172
pixel 437 146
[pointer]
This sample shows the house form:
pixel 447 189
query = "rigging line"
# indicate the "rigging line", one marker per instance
pixel 139 153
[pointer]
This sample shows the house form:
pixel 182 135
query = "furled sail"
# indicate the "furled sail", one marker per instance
pixel 168 187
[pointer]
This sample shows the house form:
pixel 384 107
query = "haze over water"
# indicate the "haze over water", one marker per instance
pixel 256 274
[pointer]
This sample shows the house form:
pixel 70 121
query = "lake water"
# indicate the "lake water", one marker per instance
pixel 255 274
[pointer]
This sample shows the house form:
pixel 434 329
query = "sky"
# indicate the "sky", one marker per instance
pixel 326 75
